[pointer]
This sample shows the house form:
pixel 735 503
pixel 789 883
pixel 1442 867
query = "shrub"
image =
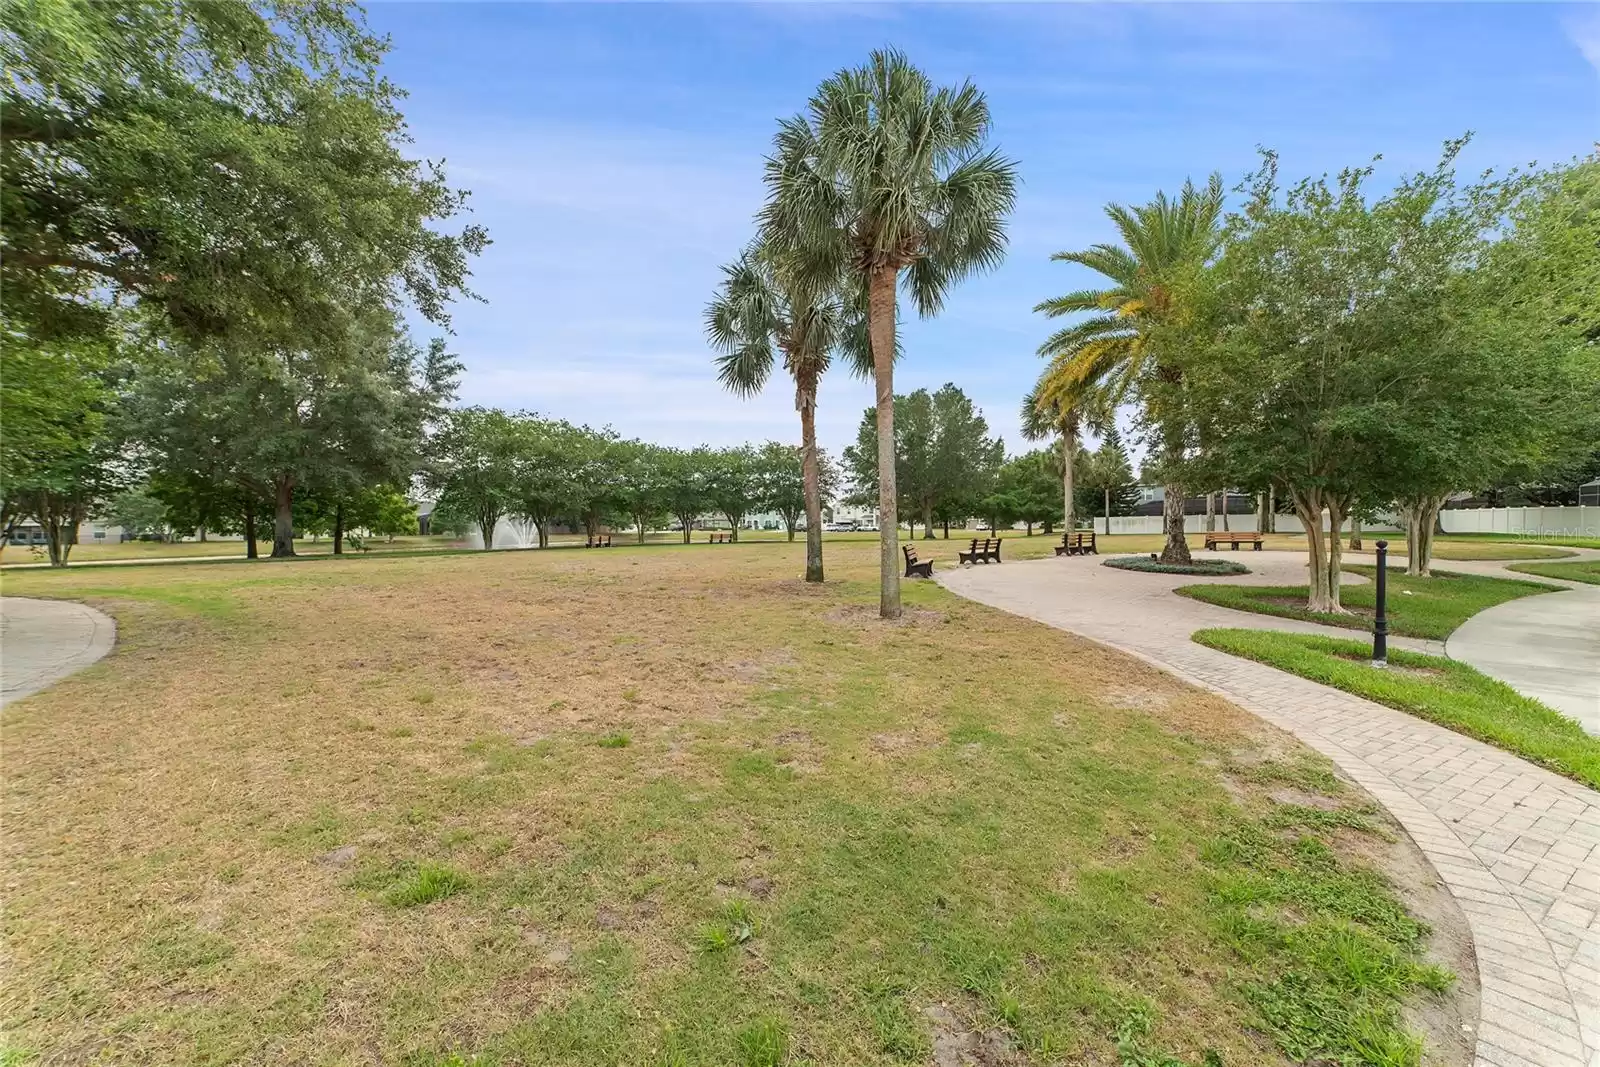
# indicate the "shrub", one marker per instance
pixel 1154 566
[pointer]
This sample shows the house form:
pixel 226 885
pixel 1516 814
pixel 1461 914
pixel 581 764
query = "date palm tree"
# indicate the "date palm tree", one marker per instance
pixel 1161 242
pixel 761 309
pixel 886 180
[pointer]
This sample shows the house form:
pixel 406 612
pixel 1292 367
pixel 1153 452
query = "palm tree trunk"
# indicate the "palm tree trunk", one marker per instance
pixel 1172 509
pixel 880 327
pixel 1069 460
pixel 806 401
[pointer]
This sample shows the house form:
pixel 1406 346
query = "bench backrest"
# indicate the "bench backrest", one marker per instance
pixel 911 553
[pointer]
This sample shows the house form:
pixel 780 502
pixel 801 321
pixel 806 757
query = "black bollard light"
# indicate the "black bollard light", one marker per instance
pixel 1380 624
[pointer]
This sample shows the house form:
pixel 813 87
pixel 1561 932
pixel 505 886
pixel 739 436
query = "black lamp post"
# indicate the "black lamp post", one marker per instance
pixel 1380 624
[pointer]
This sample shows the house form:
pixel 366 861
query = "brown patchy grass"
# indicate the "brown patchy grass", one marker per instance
pixel 634 806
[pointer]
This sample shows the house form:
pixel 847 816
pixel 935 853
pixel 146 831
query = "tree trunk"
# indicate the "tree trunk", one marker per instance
pixel 927 520
pixel 947 529
pixel 338 529
pixel 733 527
pixel 1355 533
pixel 250 550
pixel 880 326
pixel 1211 512
pixel 283 517
pixel 687 522
pixel 60 545
pixel 1421 516
pixel 1261 513
pixel 1069 458
pixel 487 521
pixel 1225 511
pixel 1028 526
pixel 1107 510
pixel 911 529
pixel 1272 510
pixel 1176 549
pixel 1322 549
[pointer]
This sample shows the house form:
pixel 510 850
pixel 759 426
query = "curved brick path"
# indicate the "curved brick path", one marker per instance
pixel 1518 847
pixel 43 641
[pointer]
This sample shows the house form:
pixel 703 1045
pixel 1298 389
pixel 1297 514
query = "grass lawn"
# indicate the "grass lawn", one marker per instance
pixel 1418 607
pixel 1441 690
pixel 1580 571
pixel 657 807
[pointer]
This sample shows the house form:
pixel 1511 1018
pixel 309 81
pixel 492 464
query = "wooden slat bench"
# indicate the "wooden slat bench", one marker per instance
pixel 1078 544
pixel 722 538
pixel 916 568
pixel 599 541
pixel 1233 540
pixel 982 550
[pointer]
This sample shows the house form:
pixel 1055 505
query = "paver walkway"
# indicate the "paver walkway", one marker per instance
pixel 43 641
pixel 1518 846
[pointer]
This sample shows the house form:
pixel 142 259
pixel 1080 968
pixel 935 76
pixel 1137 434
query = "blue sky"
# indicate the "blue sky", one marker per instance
pixel 614 152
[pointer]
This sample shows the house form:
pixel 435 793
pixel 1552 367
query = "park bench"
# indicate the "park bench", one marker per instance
pixel 1077 544
pixel 982 550
pixel 914 567
pixel 1234 540
pixel 599 541
pixel 722 538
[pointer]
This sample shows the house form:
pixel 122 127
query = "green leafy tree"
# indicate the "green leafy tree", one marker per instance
pixel 1116 350
pixel 786 489
pixel 474 475
pixel 204 160
pixel 733 484
pixel 965 460
pixel 1032 488
pixel 887 179
pixel 599 477
pixel 686 482
pixel 59 455
pixel 767 306
pixel 138 511
pixel 644 485
pixel 1354 351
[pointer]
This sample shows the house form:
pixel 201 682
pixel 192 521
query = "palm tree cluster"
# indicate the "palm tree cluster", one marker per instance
pixel 1115 354
pixel 884 180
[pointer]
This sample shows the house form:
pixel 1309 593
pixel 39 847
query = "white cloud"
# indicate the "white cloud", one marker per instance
pixel 1585 33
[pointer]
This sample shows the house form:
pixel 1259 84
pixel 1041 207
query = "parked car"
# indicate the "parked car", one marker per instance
pixel 838 527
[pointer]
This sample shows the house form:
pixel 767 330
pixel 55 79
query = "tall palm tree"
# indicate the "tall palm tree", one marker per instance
pixel 762 308
pixel 887 174
pixel 1042 418
pixel 1161 242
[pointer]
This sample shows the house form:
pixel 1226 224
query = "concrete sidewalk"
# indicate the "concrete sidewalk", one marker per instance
pixel 43 641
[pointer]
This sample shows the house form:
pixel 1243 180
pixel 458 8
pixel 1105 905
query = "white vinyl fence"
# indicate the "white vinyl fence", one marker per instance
pixel 1575 521
pixel 1578 521
pixel 1151 524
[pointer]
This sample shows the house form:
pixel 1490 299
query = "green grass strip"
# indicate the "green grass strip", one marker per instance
pixel 1418 607
pixel 1584 570
pixel 1440 690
